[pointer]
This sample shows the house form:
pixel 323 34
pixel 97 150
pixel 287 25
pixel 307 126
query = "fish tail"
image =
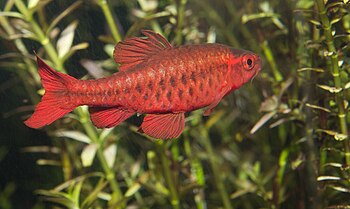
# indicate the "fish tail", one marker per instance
pixel 54 103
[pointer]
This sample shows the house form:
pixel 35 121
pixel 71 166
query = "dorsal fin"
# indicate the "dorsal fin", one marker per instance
pixel 134 51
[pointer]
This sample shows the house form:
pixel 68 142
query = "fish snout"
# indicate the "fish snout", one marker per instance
pixel 257 67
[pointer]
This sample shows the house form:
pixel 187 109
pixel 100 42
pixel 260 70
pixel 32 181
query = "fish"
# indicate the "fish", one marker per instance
pixel 155 78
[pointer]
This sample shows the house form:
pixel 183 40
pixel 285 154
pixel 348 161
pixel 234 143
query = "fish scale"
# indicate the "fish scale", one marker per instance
pixel 169 72
pixel 155 78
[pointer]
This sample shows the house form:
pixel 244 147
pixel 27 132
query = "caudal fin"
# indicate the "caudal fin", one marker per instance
pixel 53 104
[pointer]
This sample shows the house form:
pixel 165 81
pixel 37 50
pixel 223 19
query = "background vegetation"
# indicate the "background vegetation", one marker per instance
pixel 281 141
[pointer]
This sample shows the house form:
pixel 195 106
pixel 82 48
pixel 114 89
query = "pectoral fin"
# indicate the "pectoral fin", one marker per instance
pixel 163 126
pixel 107 117
pixel 224 90
pixel 210 108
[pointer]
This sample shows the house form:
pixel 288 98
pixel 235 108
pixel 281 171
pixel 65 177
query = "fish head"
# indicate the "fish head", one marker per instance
pixel 242 67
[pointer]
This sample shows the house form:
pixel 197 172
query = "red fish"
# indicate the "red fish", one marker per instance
pixel 155 78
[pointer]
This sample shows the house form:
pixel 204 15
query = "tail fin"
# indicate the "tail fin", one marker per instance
pixel 53 104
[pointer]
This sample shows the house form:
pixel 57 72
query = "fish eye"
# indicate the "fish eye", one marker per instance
pixel 248 62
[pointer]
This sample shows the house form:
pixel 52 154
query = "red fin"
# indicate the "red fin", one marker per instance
pixel 134 51
pixel 53 104
pixel 163 126
pixel 107 117
pixel 211 107
pixel 224 90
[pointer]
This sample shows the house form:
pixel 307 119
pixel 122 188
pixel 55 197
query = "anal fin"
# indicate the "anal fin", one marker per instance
pixel 163 126
pixel 107 117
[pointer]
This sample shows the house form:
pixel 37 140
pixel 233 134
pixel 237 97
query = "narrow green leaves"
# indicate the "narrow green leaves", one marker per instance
pixel 12 14
pixel 110 154
pixel 64 43
pixel 32 3
pixel 331 89
pixel 337 136
pixel 88 154
pixel 76 135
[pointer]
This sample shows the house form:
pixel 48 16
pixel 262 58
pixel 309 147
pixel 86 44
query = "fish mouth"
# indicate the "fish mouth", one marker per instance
pixel 255 74
pixel 258 67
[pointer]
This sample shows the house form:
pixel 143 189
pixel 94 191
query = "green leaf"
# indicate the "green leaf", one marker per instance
pixel 249 17
pixel 148 5
pixel 135 169
pixel 109 49
pixel 317 70
pixel 330 88
pixel 317 107
pixel 110 154
pixel 305 4
pixel 76 193
pixel 88 155
pixel 262 121
pixel 335 20
pixel 80 46
pixel 64 43
pixel 315 22
pixel 26 34
pixel 340 189
pixel 32 3
pixel 133 189
pixel 75 48
pixel 67 184
pixel 328 53
pixel 57 197
pixel 12 14
pixel 337 136
pixel 76 135
pixel 48 162
pixel 35 5
pixel 328 178
pixel 335 165
pixel 243 191
pixel 347 85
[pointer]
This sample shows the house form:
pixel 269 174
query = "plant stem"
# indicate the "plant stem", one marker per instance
pixel 110 21
pixel 197 171
pixel 175 202
pixel 339 97
pixel 270 58
pixel 117 195
pixel 180 20
pixel 214 166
